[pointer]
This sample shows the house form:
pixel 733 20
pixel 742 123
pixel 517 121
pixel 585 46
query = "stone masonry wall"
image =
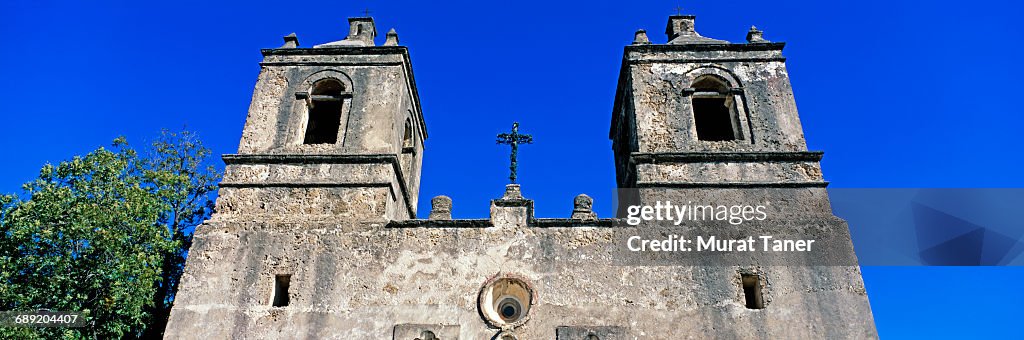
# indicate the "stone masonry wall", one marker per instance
pixel 360 280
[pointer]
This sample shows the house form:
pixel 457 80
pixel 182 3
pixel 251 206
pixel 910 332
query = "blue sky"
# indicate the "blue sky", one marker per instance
pixel 897 94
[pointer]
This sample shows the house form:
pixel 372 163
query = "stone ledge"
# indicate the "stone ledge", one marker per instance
pixel 346 50
pixel 775 46
pixel 705 60
pixel 702 157
pixel 506 202
pixel 231 159
pixel 652 184
pixel 575 223
pixel 304 185
pixel 486 223
pixel 330 63
pixel 468 223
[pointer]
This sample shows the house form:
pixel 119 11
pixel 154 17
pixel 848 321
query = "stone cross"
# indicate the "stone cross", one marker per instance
pixel 514 139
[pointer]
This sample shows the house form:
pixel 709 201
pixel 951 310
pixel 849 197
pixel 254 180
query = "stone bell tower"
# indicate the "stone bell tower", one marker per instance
pixel 703 121
pixel 333 143
pixel 704 117
pixel 333 130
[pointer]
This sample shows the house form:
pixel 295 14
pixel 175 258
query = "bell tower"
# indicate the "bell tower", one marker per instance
pixel 706 117
pixel 333 131
pixel 704 122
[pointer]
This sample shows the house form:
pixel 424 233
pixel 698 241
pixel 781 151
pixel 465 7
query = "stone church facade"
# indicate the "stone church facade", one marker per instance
pixel 316 234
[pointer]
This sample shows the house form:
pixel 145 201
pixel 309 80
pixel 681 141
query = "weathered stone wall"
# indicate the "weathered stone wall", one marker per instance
pixel 331 202
pixel 797 172
pixel 315 173
pixel 654 115
pixel 380 103
pixel 664 119
pixel 360 280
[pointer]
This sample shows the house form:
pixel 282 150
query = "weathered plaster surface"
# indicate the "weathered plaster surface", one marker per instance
pixel 360 280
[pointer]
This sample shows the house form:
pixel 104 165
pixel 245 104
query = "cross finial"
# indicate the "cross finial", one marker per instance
pixel 513 139
pixel 679 10
pixel 366 12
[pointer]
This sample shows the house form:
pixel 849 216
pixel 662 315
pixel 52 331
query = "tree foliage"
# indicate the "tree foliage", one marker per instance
pixel 177 171
pixel 104 234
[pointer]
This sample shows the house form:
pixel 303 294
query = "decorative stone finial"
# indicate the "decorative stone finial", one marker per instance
pixel 512 192
pixel 290 41
pixel 440 208
pixel 640 38
pixel 583 208
pixel 755 36
pixel 391 38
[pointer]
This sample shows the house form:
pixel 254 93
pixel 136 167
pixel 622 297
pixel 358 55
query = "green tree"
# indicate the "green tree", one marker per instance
pixel 176 169
pixel 106 234
pixel 89 239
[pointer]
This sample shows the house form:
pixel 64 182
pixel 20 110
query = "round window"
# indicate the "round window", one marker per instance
pixel 505 301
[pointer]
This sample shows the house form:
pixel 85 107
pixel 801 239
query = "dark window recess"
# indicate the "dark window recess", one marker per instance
pixel 324 113
pixel 407 146
pixel 713 119
pixel 752 291
pixel 281 283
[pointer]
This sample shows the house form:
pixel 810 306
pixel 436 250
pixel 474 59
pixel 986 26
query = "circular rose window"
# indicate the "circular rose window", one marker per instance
pixel 505 301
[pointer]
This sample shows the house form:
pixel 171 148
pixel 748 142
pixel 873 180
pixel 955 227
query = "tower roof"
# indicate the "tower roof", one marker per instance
pixel 361 32
pixel 681 31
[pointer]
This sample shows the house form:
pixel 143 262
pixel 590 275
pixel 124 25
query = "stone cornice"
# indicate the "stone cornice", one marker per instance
pixel 775 46
pixel 486 223
pixel 346 50
pixel 726 185
pixel 712 157
pixel 231 159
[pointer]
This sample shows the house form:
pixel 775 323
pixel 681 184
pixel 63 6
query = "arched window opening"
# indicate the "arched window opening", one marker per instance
pixel 408 155
pixel 407 142
pixel 324 112
pixel 714 110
